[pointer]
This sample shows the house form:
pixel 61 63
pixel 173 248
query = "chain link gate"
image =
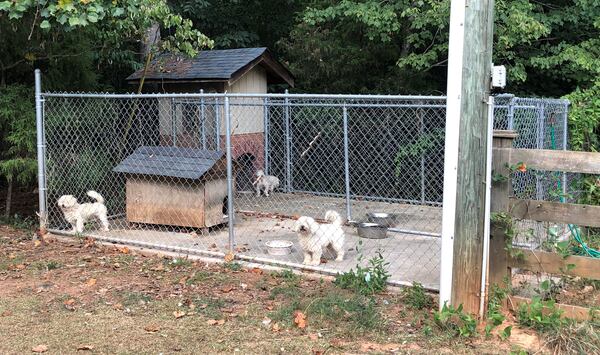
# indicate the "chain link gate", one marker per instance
pixel 178 172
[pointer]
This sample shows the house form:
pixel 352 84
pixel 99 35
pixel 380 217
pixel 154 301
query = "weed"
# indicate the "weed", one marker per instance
pixel 416 297
pixel 494 313
pixel 357 310
pixel 135 298
pixel 505 222
pixel 47 265
pixel 540 315
pixel 456 321
pixel 287 275
pixel 232 266
pixel 198 277
pixel 365 280
pixel 574 338
pixel 287 291
pixel 179 262
pixel 19 222
pixel 210 307
pixel 285 313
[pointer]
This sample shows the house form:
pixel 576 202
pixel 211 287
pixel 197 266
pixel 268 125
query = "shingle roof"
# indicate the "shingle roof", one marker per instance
pixel 208 65
pixel 175 162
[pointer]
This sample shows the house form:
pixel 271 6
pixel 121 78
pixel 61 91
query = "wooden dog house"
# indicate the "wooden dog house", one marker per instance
pixel 175 186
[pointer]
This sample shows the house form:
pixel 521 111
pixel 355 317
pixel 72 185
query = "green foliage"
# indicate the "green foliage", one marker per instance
pixel 423 144
pixel 584 119
pixel 367 280
pixel 113 21
pixel 494 312
pixel 505 222
pixel 416 297
pixel 542 316
pixel 17 134
pixel 455 321
pixel 357 310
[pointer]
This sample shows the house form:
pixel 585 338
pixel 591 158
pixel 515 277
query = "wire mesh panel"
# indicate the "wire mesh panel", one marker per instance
pixel 292 180
pixel 540 124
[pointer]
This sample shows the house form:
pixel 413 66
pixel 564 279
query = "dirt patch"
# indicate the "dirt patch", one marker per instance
pixel 112 299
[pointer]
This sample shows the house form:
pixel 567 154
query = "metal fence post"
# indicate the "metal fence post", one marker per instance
pixel 288 145
pixel 217 124
pixel 230 212
pixel 421 133
pixel 347 163
pixel 539 189
pixel 511 114
pixel 41 147
pixel 266 134
pixel 173 123
pixel 202 120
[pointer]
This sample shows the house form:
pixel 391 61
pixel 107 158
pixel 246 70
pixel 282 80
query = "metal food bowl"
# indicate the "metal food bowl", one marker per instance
pixel 279 247
pixel 384 219
pixel 371 231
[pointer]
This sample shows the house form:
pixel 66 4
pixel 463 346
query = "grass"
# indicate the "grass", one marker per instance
pixel 416 297
pixel 135 298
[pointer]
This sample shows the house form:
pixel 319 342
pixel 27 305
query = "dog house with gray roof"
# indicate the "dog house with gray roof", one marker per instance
pixel 242 70
pixel 183 187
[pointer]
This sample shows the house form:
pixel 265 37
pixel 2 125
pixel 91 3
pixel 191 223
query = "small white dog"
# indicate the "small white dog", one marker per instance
pixel 314 237
pixel 77 214
pixel 266 183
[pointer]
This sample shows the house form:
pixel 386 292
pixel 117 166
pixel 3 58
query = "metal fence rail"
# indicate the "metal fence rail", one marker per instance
pixel 179 172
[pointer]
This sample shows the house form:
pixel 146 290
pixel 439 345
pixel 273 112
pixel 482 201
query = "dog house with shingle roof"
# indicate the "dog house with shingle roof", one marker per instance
pixel 183 187
pixel 242 70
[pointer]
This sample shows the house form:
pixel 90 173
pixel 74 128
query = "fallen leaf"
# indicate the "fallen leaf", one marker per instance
pixel 118 306
pixel 20 266
pixel 160 267
pixel 313 336
pixel 12 256
pixel 366 347
pixel 215 322
pixel 69 302
pixel 178 314
pixel 40 349
pixel 229 257
pixel 90 282
pixel 37 243
pixel 124 250
pixel 256 270
pixel 227 289
pixel 300 319
pixel 318 352
pixel 152 328
pixel 85 347
pixel 269 308
pixel 275 327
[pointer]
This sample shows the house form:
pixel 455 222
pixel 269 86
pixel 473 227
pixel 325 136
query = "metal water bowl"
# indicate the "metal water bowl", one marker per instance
pixel 385 219
pixel 371 231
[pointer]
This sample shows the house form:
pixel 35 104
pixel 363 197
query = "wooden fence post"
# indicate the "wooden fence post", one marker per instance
pixel 501 191
pixel 465 160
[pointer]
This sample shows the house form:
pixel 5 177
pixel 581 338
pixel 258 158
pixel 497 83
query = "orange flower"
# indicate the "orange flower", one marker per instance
pixel 522 167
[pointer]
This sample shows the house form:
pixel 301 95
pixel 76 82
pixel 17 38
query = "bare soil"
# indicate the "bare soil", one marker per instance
pixel 80 296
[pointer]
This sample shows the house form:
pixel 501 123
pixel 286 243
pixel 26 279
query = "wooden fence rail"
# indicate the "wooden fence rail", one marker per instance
pixel 500 262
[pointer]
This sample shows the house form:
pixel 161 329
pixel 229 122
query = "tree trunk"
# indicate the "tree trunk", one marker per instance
pixel 8 199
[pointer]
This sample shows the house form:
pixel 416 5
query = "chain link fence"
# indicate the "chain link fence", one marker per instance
pixel 181 172
pixel 541 124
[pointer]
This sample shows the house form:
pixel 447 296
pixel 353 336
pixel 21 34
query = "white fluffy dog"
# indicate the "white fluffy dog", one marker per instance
pixel 314 237
pixel 78 213
pixel 266 183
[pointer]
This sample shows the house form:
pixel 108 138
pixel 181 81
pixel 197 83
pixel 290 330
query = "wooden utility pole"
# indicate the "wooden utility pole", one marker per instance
pixel 469 76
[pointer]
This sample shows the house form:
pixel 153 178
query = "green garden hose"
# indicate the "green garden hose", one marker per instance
pixel 575 230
